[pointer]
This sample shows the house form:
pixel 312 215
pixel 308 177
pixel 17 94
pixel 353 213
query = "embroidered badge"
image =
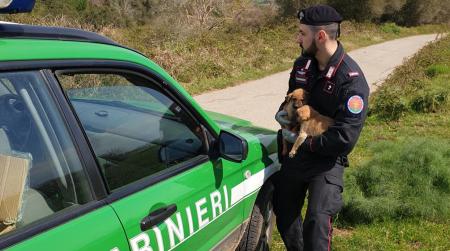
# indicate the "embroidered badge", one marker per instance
pixel 328 87
pixel 353 74
pixel 301 80
pixel 355 104
pixel 330 72
pixel 301 73
pixel 300 76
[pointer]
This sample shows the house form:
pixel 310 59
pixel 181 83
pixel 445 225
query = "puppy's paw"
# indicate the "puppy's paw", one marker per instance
pixel 304 112
pixel 292 154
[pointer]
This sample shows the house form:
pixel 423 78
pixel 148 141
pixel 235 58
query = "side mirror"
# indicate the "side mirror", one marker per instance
pixel 232 147
pixel 16 6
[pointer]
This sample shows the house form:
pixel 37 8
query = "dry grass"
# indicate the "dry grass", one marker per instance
pixel 229 53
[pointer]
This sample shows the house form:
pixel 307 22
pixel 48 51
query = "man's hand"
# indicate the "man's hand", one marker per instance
pixel 289 136
pixel 281 118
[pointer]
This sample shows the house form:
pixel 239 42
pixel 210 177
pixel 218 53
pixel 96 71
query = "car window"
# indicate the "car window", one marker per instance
pixel 135 129
pixel 39 167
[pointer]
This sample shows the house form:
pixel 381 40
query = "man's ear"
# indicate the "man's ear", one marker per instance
pixel 322 36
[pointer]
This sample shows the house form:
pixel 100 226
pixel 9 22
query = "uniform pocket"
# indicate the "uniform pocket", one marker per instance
pixel 334 197
pixel 330 179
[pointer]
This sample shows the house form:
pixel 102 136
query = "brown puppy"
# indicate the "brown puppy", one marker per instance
pixel 311 123
pixel 304 119
pixel 293 101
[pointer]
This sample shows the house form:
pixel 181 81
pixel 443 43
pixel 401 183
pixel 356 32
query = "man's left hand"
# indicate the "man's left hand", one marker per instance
pixel 289 136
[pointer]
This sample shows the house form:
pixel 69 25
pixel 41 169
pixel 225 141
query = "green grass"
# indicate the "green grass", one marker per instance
pixel 394 235
pixel 228 56
pixel 397 190
pixel 404 179
pixel 390 235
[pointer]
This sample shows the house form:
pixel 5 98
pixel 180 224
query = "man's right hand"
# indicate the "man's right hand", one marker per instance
pixel 281 118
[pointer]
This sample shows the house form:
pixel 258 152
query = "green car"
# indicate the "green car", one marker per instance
pixel 100 149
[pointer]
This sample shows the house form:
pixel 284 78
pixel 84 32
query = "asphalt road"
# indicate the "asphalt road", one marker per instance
pixel 258 100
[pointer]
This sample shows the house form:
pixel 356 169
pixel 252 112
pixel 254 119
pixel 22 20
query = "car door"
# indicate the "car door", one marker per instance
pixel 154 153
pixel 47 200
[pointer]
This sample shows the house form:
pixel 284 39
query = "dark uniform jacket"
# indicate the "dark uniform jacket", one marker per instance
pixel 339 92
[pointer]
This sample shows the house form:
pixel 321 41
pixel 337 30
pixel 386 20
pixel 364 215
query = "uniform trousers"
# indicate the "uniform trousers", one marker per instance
pixel 324 193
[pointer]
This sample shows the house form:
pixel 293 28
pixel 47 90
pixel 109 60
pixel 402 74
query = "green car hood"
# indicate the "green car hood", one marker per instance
pixel 246 129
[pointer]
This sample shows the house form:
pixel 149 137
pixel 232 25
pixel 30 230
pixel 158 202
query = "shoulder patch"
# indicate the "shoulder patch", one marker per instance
pixel 355 104
pixel 353 74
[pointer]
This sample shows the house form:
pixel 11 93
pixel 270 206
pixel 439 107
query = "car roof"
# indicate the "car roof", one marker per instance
pixel 55 37
pixel 14 30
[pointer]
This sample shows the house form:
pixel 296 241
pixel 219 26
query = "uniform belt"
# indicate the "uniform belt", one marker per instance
pixel 343 160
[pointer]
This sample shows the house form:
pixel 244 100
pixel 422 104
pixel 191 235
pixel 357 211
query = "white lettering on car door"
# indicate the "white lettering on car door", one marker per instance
pixel 225 193
pixel 215 203
pixel 135 241
pixel 159 238
pixel 173 230
pixel 142 242
pixel 190 223
pixel 200 212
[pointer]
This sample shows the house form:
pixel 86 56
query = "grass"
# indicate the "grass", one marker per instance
pixel 397 190
pixel 404 179
pixel 394 235
pixel 227 56
pixel 204 60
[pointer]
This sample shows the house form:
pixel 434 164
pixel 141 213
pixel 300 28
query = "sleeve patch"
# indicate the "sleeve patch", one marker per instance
pixel 355 104
pixel 353 74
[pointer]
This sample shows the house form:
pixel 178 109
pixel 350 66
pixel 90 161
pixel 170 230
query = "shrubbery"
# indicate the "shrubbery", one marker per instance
pixel 420 85
pixel 405 179
pixel 207 14
pixel 206 44
pixel 408 175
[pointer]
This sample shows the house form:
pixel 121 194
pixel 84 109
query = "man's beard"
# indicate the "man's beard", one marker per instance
pixel 311 51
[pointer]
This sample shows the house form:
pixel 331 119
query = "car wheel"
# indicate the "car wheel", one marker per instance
pixel 258 234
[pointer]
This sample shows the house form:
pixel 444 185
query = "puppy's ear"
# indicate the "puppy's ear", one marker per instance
pixel 305 97
pixel 288 97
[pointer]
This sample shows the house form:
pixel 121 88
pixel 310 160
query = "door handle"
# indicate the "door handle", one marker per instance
pixel 157 216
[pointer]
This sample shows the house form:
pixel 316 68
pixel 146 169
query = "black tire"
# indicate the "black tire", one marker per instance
pixel 258 234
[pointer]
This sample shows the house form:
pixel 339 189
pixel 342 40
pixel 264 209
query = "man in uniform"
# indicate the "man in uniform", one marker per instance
pixel 337 89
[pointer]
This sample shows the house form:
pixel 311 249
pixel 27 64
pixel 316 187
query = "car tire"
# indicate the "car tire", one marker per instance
pixel 258 234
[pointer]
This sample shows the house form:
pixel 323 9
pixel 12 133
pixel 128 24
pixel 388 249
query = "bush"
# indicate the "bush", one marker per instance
pixel 407 179
pixel 419 85
pixel 434 70
pixel 358 10
pixel 390 28
pixel 430 101
pixel 416 12
pixel 389 105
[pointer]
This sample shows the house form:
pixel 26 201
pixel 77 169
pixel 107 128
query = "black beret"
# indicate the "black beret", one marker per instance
pixel 319 15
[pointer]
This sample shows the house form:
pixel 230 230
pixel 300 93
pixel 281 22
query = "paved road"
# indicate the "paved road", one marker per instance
pixel 258 100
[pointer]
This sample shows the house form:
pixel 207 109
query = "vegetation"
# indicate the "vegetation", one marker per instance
pixel 206 44
pixel 404 179
pixel 398 190
pixel 419 86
